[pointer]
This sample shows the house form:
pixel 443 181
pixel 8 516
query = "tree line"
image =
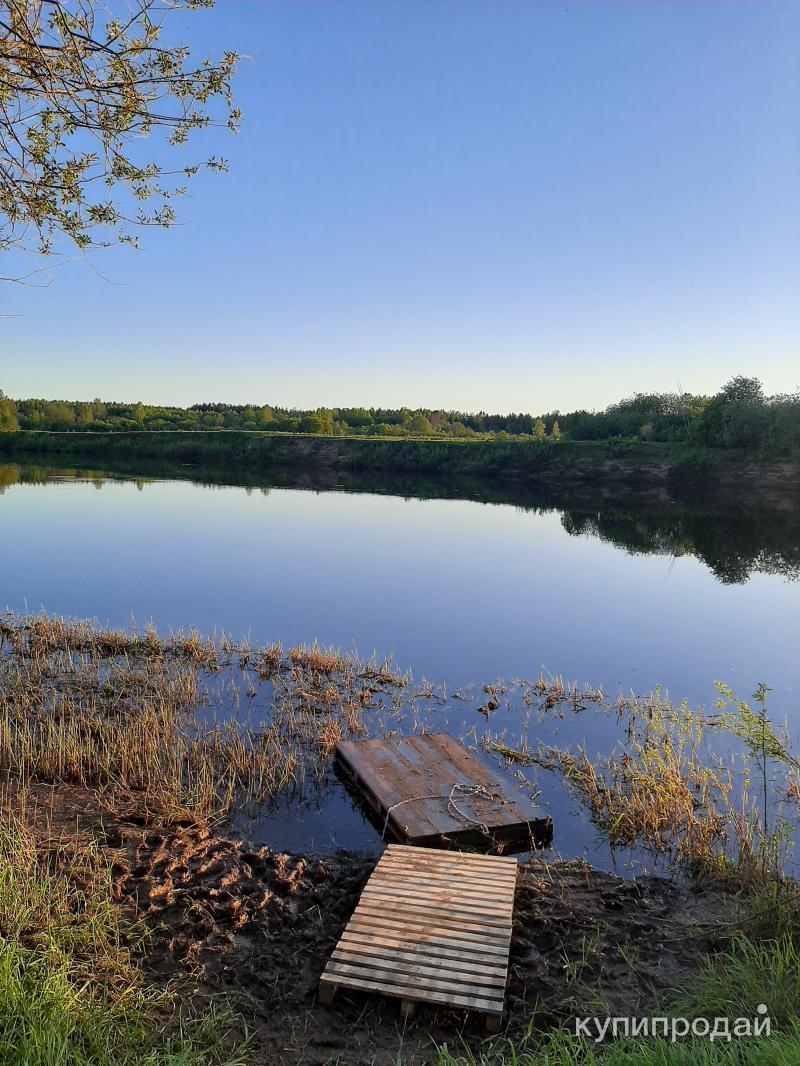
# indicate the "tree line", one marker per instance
pixel 740 415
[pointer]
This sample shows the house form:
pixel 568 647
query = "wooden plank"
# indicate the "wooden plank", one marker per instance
pixel 466 762
pixel 361 941
pixel 481 895
pixel 427 771
pixel 490 950
pixel 445 860
pixel 426 996
pixel 408 780
pixel 430 907
pixel 416 981
pixel 424 955
pixel 448 866
pixel 428 968
pixel 358 756
pixel 472 898
pixel 402 962
pixel 481 899
pixel 438 915
pixel 493 887
pixel 438 936
pixel 490 862
pixel 429 927
pixel 426 874
pixel 377 768
pixel 463 768
pixel 444 920
pixel 425 778
pixel 448 861
pixel 472 895
pixel 417 816
pixel 425 927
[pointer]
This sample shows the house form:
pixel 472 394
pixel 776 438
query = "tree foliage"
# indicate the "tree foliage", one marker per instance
pixel 8 415
pixel 738 416
pixel 82 85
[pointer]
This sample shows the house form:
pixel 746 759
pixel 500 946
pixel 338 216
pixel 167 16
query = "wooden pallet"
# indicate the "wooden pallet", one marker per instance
pixel 406 782
pixel 430 927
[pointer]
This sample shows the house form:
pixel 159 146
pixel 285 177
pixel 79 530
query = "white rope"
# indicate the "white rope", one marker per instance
pixel 452 807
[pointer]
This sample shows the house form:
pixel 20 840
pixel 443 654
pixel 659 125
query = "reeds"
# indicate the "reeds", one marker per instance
pixel 663 790
pixel 108 708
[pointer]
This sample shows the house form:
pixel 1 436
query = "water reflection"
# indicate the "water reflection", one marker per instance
pixel 734 541
pixel 466 581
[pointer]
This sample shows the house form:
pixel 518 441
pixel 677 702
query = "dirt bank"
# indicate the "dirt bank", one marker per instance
pixel 227 917
pixel 633 465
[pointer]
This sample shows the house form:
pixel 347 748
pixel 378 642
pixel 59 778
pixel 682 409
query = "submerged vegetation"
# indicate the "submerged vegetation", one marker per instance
pixel 715 791
pixel 204 726
pixel 136 712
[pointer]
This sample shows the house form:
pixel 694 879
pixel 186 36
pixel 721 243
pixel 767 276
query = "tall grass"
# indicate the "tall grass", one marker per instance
pixel 136 712
pixel 665 790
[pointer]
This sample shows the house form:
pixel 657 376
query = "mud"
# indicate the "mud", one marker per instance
pixel 224 917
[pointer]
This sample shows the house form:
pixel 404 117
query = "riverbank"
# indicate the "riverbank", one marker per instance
pixel 220 919
pixel 555 465
pixel 127 755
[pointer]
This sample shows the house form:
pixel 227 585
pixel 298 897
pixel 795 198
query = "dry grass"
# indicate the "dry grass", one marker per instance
pixel 664 791
pixel 105 707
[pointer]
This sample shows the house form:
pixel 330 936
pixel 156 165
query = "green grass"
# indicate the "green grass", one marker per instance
pixel 255 451
pixel 71 993
pixel 780 1050
pixel 730 984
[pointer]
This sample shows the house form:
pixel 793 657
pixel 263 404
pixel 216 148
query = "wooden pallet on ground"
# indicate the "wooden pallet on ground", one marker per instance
pixel 429 790
pixel 430 927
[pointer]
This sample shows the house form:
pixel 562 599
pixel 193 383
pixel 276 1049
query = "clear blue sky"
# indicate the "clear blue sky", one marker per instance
pixel 461 203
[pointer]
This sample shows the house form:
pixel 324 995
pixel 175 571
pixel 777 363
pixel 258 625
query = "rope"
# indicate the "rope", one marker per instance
pixel 453 809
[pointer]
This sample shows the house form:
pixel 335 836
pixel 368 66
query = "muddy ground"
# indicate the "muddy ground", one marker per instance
pixel 226 917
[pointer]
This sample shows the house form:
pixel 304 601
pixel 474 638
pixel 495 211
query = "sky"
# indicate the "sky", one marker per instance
pixel 467 204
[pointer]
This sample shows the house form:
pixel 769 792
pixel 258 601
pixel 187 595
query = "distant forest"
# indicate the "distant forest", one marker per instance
pixel 740 415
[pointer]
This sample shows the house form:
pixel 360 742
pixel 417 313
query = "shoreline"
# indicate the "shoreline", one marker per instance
pixel 722 528
pixel 96 721
pixel 547 466
pixel 258 924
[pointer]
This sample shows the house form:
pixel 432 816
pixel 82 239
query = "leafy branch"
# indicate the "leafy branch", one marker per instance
pixel 79 88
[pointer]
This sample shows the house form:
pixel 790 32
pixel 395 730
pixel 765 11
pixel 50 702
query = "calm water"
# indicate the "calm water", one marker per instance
pixel 461 591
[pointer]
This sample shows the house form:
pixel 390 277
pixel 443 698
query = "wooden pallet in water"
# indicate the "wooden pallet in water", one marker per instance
pixel 430 790
pixel 430 927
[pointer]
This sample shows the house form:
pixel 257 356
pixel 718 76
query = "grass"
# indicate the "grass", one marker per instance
pixel 136 712
pixel 560 1050
pixel 665 791
pixel 730 984
pixel 253 450
pixel 662 790
pixel 71 991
